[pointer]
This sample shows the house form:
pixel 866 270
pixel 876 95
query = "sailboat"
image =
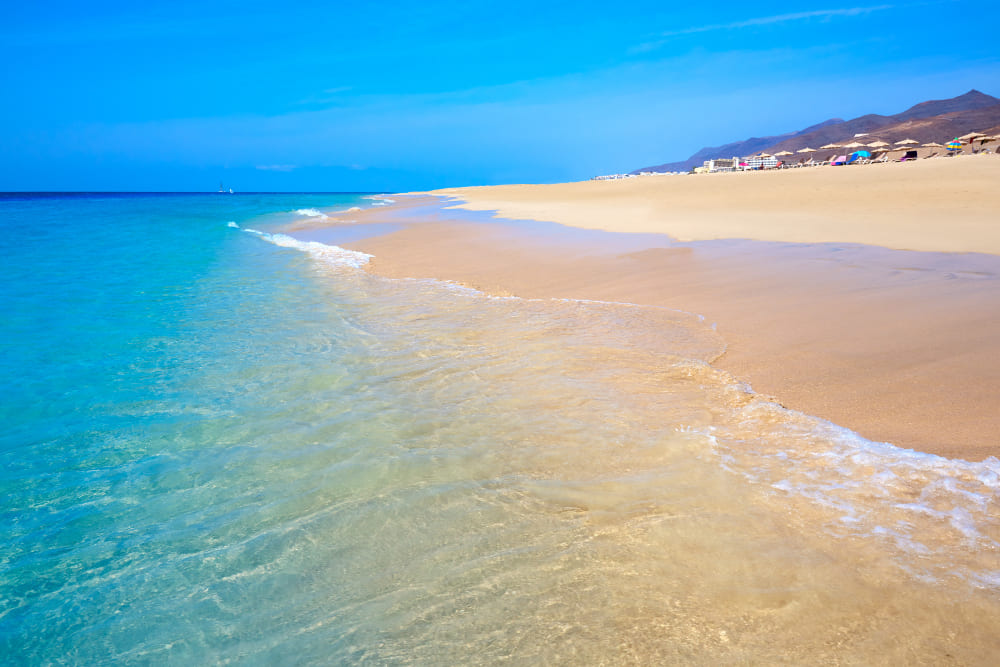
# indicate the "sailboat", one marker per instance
pixel 222 190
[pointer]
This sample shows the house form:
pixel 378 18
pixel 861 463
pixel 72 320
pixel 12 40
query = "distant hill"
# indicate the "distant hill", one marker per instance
pixel 935 120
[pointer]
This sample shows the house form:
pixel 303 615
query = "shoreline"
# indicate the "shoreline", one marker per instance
pixel 897 345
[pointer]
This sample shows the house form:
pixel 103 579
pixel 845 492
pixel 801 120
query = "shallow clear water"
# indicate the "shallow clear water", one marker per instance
pixel 225 445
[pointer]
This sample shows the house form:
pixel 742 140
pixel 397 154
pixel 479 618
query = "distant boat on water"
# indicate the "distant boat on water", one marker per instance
pixel 222 190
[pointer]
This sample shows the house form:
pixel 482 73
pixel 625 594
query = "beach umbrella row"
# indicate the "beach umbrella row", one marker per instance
pixel 904 144
pixel 881 144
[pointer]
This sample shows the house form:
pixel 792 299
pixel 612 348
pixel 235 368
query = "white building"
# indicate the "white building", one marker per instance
pixel 722 164
pixel 761 162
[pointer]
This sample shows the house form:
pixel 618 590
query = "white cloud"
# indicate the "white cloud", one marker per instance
pixel 763 20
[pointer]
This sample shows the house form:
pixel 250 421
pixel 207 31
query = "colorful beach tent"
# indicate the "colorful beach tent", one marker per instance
pixel 840 159
pixel 858 154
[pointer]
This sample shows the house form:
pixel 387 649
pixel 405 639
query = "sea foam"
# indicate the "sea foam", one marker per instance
pixel 926 504
pixel 312 213
pixel 329 254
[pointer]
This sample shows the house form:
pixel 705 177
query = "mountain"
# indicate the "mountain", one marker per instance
pixel 934 120
pixel 968 102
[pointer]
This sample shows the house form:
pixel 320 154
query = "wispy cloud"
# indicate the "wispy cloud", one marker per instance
pixel 276 167
pixel 664 37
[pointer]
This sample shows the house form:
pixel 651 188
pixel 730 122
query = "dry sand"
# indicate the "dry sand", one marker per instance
pixel 901 346
pixel 947 204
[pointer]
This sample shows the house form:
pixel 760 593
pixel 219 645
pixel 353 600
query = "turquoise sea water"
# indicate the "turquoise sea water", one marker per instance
pixel 221 444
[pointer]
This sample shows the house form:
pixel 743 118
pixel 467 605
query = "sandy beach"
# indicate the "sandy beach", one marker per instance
pixel 936 205
pixel 864 295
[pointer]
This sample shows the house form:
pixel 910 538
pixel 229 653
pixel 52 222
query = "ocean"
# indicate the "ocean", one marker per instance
pixel 224 444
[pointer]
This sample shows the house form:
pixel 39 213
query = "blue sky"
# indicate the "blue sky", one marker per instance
pixel 411 95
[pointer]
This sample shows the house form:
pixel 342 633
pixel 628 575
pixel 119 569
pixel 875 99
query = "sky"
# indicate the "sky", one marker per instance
pixel 399 95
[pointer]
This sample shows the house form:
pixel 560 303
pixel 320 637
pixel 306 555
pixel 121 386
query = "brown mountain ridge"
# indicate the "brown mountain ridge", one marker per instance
pixel 934 120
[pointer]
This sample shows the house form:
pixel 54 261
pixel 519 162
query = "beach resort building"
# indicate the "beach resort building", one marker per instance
pixel 761 162
pixel 722 164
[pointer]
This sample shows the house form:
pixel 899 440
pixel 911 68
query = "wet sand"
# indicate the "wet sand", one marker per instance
pixel 898 345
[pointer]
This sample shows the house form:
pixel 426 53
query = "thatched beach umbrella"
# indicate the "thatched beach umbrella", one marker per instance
pixel 833 157
pixel 782 154
pixel 971 136
pixel 854 144
pixel 907 142
pixel 933 144
pixel 878 144
pixel 806 150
